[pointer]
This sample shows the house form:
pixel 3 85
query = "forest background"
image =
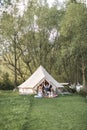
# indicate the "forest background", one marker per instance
pixel 33 34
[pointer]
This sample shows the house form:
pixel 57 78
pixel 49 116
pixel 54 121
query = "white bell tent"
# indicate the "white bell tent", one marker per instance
pixel 40 75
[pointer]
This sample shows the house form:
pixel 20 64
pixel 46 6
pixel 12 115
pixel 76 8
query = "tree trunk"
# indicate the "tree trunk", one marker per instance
pixel 83 74
pixel 15 60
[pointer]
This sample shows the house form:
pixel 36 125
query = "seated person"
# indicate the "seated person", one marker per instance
pixel 47 88
pixel 51 93
pixel 39 93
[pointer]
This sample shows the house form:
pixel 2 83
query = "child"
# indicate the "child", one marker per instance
pixel 40 92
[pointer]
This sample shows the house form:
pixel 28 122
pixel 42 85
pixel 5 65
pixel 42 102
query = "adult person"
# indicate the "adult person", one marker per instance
pixel 47 88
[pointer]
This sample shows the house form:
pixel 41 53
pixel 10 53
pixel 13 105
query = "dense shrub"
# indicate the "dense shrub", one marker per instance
pixel 83 92
pixel 5 83
pixel 71 90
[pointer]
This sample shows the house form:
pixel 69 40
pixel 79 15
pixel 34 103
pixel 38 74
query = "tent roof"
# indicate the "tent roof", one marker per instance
pixel 38 77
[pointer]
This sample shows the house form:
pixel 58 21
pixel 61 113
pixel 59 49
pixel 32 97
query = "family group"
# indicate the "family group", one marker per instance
pixel 45 90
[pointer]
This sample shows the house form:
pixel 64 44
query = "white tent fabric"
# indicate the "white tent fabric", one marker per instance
pixel 36 79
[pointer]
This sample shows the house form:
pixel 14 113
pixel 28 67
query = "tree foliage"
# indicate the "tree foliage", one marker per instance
pixel 73 31
pixel 48 36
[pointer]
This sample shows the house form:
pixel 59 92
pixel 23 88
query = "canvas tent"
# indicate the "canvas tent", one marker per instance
pixel 31 84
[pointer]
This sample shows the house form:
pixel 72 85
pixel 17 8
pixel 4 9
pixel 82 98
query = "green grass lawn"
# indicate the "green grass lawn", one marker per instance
pixel 28 113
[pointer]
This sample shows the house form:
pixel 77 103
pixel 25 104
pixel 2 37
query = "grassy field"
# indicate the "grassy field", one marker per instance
pixel 27 113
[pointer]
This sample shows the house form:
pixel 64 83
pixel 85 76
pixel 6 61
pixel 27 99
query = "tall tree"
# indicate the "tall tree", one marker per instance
pixel 31 39
pixel 73 29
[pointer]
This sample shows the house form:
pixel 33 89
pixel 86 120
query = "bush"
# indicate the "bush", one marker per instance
pixel 83 92
pixel 6 84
